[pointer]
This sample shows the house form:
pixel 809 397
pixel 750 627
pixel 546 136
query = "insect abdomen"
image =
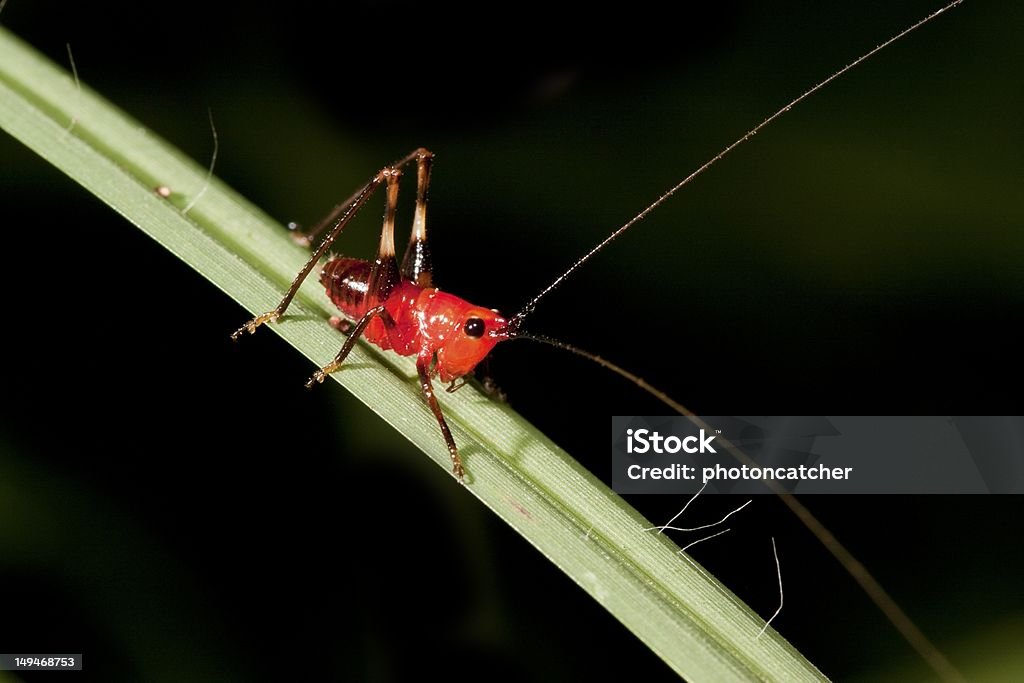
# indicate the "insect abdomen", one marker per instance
pixel 346 281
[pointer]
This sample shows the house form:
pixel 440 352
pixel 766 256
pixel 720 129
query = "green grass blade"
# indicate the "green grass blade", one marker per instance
pixel 689 619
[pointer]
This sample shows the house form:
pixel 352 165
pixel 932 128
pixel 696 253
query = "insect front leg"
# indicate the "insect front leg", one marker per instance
pixel 423 368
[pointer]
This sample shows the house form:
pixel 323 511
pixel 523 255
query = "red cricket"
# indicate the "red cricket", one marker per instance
pixel 399 309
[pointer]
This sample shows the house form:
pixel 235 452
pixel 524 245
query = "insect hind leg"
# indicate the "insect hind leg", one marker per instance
pixel 382 278
pixel 359 199
pixel 335 221
pixel 416 265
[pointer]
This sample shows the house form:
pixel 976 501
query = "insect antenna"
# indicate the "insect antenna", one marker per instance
pixel 864 578
pixel 516 321
pixel 617 369
pixel 874 590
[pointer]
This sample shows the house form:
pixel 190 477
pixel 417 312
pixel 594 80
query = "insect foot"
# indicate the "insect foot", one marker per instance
pixel 251 326
pixel 318 378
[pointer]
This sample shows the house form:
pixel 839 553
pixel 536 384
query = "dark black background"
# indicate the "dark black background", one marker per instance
pixel 861 257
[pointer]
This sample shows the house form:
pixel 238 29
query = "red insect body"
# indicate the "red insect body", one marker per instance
pixel 426 320
pixel 398 309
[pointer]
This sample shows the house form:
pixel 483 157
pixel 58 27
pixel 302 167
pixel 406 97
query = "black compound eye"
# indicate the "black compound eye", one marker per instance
pixel 474 327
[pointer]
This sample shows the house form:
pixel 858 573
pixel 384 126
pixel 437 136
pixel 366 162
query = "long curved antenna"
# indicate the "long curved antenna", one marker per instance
pixel 622 372
pixel 516 320
pixel 868 583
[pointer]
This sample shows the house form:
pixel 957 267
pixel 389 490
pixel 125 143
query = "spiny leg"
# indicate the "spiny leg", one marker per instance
pixel 320 375
pixel 416 265
pixel 384 272
pixel 423 368
pixel 383 277
pixel 351 209
pixel 337 219
pixel 307 237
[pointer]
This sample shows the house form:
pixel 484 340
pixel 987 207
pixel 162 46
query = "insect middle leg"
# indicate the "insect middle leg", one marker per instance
pixel 320 375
